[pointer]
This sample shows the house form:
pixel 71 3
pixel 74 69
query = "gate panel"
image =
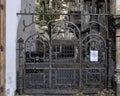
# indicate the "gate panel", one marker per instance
pixel 65 79
pixel 52 63
pixel 36 78
pixel 66 61
pixel 65 41
pixel 94 77
pixel 94 62
pixel 37 49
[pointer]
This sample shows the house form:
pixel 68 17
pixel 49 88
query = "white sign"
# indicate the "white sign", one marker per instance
pixel 94 55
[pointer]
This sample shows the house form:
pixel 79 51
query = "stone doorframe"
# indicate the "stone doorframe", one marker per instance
pixel 2 45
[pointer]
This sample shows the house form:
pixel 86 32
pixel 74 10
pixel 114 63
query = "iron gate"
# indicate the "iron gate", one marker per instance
pixel 71 56
pixel 51 64
pixel 65 63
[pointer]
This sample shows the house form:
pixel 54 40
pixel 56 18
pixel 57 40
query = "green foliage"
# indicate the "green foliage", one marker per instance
pixel 49 7
pixel 44 7
pixel 101 93
pixel 79 94
pixel 105 93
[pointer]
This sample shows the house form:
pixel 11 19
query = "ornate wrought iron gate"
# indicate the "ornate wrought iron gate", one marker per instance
pixel 69 59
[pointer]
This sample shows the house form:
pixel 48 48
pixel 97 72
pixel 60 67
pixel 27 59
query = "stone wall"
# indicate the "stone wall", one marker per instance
pixel 26 26
pixel 118 61
pixel 118 49
pixel 117 75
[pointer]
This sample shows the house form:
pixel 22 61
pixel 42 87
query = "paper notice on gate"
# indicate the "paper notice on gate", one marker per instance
pixel 94 55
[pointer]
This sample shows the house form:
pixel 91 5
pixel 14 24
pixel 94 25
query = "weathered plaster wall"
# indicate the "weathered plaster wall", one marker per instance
pixel 25 32
pixel 26 28
pixel 117 36
pixel 117 49
pixel 12 7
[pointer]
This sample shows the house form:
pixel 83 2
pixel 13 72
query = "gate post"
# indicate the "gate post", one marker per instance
pixel 117 75
pixel 116 10
pixel 20 70
pixel 117 82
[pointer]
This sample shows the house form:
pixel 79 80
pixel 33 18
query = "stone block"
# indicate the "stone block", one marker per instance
pixel 118 41
pixel 117 49
pixel 118 59
pixel 118 32
pixel 117 6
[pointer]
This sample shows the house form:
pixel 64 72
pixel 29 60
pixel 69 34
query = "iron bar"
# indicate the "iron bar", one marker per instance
pixel 109 66
pixel 73 14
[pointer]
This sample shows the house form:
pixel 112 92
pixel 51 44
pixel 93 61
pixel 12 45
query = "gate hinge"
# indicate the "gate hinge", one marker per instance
pixel 1 47
pixel 1 89
pixel 1 6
